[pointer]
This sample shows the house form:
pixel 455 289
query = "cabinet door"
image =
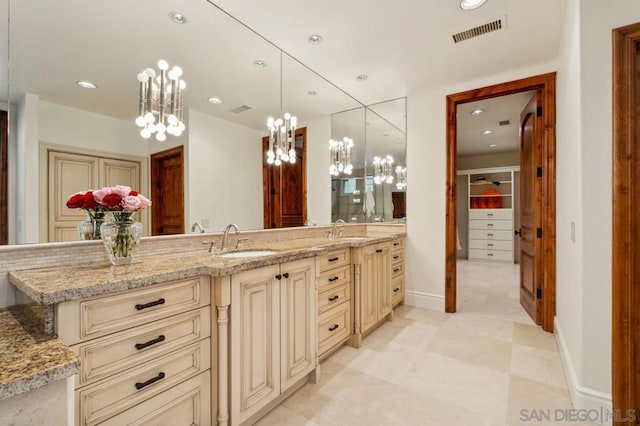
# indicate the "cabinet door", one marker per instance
pixel 255 341
pixel 369 287
pixel 298 320
pixel 383 278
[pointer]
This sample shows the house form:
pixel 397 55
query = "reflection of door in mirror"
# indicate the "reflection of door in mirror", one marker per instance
pixel 399 208
pixel 285 187
pixel 167 192
pixel 70 172
pixel 4 187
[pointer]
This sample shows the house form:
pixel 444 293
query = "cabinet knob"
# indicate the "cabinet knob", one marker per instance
pixel 278 277
pixel 286 275
pixel 395 290
pixel 379 251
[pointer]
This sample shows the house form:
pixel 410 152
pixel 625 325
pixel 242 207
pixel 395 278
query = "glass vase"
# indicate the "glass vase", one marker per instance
pixel 121 236
pixel 89 229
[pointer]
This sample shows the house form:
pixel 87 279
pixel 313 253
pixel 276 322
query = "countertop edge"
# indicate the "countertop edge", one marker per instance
pixel 39 379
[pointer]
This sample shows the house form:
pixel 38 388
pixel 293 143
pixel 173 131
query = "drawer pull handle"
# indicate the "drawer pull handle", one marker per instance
pixel 334 298
pixel 286 275
pixel 489 235
pixel 396 270
pixel 150 381
pixel 489 214
pixel 278 277
pixel 490 254
pixel 397 289
pixel 333 259
pixel 150 304
pixel 489 225
pixel 333 279
pixel 489 245
pixel 150 342
pixel 334 327
pixel 396 244
pixel 396 257
pixel 379 251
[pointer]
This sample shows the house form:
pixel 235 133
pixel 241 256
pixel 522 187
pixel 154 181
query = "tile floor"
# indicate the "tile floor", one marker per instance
pixel 481 366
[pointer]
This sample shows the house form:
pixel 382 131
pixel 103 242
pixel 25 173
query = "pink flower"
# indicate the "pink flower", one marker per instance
pixel 121 190
pixel 135 202
pixel 101 193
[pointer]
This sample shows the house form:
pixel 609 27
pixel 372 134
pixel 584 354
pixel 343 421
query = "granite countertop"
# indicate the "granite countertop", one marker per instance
pixel 49 286
pixel 29 358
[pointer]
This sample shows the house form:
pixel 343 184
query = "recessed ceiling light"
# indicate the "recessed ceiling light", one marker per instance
pixel 493 145
pixel 178 18
pixel 259 63
pixel 471 4
pixel 487 132
pixel 315 39
pixel 312 93
pixel 215 100
pixel 86 84
pixel 476 112
pixel 362 77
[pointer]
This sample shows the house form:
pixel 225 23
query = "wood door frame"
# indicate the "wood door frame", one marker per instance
pixel 626 226
pixel 547 84
pixel 4 177
pixel 266 199
pixel 154 159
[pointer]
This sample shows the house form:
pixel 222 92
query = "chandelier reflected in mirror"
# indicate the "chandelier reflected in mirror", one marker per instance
pixel 282 140
pixel 160 102
pixel 401 174
pixel 383 170
pixel 340 152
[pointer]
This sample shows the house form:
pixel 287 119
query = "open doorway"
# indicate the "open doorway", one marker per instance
pixel 537 183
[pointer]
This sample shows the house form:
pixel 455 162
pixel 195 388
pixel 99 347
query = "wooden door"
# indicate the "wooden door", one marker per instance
pixel 124 172
pixel 383 279
pixel 167 192
pixel 530 201
pixel 68 173
pixel 4 179
pixel 298 321
pixel 399 206
pixel 368 287
pixel 255 331
pixel 285 187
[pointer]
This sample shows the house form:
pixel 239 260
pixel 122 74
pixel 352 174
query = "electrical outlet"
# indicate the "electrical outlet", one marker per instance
pixel 205 223
pixel 573 231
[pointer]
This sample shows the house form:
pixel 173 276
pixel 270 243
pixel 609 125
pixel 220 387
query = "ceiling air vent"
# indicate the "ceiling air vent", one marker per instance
pixel 496 25
pixel 241 108
pixel 504 122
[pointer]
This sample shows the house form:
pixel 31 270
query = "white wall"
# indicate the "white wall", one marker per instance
pixel 318 177
pixel 225 173
pixel 27 205
pixel 499 159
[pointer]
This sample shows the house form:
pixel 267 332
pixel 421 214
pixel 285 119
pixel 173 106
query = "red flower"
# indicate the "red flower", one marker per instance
pixel 89 201
pixel 111 200
pixel 76 201
pixel 133 193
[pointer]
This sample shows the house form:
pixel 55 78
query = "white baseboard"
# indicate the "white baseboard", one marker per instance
pixel 424 300
pixel 582 397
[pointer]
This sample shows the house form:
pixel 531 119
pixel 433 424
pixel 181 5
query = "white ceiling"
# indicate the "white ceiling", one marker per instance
pixel 469 135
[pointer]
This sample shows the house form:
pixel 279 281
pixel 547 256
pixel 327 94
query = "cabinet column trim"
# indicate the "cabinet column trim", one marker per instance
pixel 357 327
pixel 222 295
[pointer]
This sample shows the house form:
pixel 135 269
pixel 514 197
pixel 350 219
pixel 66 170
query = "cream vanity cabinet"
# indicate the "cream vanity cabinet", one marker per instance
pixel 145 354
pixel 334 300
pixel 397 271
pixel 372 271
pixel 273 334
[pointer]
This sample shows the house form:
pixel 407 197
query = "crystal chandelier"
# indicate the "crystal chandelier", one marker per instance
pixel 282 134
pixel 383 170
pixel 401 173
pixel 341 156
pixel 160 106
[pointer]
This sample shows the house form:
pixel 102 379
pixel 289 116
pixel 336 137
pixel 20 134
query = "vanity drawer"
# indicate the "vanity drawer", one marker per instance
pixel 188 403
pixel 506 256
pixel 334 297
pixel 397 270
pixel 489 214
pixel 333 259
pixel 476 234
pixel 490 224
pixel 333 327
pixel 397 256
pixel 491 244
pixel 397 244
pixel 107 398
pixel 397 290
pixel 109 314
pixel 105 357
pixel 334 278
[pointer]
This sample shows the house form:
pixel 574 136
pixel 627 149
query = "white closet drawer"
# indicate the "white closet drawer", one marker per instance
pixel 506 256
pixel 475 234
pixel 491 244
pixel 490 214
pixel 490 224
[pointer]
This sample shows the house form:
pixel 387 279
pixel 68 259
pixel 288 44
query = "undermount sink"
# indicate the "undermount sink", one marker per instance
pixel 248 253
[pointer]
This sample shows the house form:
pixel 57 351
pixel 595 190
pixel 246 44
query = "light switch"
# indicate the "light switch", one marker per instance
pixel 573 231
pixel 205 223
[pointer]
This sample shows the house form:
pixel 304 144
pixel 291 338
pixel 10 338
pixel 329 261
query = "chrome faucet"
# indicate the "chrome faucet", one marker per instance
pixel 335 234
pixel 196 225
pixel 225 237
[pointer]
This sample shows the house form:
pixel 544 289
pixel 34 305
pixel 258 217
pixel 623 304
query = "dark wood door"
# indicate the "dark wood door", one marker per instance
pixel 530 148
pixel 399 207
pixel 4 167
pixel 167 192
pixel 285 187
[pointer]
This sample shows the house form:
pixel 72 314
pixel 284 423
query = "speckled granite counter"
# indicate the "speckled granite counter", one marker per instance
pixel 29 358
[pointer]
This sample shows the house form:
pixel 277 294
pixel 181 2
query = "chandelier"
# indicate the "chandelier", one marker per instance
pixel 282 134
pixel 383 170
pixel 401 173
pixel 160 102
pixel 340 152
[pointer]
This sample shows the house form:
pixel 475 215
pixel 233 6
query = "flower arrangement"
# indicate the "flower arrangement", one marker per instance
pixel 121 234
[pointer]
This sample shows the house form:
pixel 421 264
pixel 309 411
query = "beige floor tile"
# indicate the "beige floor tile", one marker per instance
pixel 475 325
pixel 483 351
pixel 425 315
pixel 534 336
pixel 283 416
pixel 537 364
pixel 401 331
pixel 390 362
pixel 483 390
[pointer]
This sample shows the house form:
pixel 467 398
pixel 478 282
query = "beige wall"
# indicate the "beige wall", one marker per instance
pixel 499 159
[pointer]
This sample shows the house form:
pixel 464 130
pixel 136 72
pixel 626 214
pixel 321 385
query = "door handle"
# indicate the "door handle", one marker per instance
pixel 518 232
pixel 161 229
